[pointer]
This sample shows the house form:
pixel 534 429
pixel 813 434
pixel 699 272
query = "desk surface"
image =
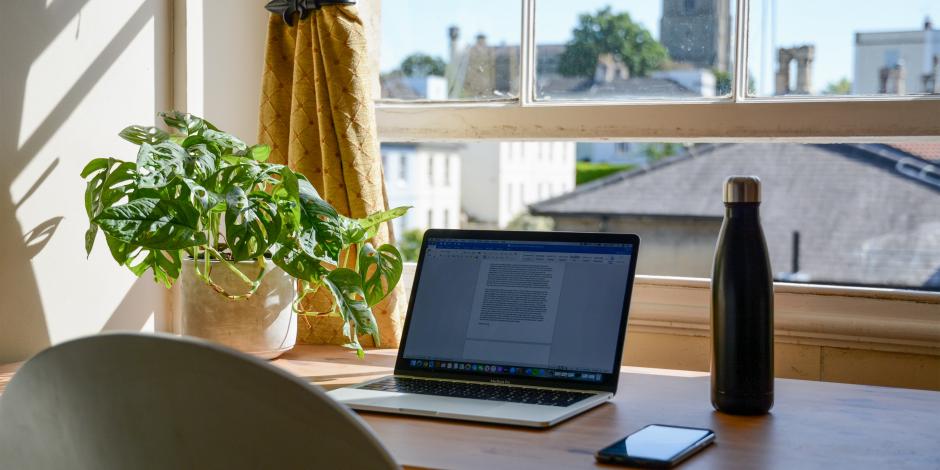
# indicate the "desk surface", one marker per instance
pixel 812 425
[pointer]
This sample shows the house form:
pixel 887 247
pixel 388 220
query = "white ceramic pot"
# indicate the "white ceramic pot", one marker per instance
pixel 262 325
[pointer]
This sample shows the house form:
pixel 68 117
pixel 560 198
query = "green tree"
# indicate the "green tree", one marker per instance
pixel 659 151
pixel 422 65
pixel 410 244
pixel 606 32
pixel 723 83
pixel 840 87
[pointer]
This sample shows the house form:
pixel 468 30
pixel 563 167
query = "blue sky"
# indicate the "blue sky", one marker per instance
pixel 421 25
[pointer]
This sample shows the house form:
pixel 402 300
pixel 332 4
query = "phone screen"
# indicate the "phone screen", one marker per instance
pixel 658 443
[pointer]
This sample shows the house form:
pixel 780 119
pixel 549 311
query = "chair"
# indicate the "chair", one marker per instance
pixel 122 401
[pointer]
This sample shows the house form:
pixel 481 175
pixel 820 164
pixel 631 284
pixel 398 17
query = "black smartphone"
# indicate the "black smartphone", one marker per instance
pixel 657 445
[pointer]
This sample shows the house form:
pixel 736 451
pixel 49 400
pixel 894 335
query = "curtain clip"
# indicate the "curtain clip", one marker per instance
pixel 287 8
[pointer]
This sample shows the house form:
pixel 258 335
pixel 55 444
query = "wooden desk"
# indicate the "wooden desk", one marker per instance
pixel 812 425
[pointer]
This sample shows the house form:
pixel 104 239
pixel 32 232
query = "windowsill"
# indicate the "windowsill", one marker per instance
pixel 890 320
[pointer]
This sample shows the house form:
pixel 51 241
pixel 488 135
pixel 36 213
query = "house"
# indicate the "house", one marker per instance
pixel 837 214
pixel 425 176
pixel 499 179
pixel 897 62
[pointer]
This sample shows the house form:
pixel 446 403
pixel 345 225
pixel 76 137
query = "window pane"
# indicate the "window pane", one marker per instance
pixel 633 49
pixel 847 214
pixel 843 47
pixel 450 49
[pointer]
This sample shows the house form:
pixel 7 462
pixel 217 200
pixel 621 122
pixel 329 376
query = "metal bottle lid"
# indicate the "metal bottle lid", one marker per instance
pixel 742 189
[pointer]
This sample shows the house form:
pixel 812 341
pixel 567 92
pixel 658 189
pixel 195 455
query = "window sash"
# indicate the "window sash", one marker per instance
pixel 731 119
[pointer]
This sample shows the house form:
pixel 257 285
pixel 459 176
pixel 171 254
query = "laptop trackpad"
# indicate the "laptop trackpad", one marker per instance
pixel 428 404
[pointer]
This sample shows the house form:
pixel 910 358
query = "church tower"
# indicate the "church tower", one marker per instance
pixel 698 32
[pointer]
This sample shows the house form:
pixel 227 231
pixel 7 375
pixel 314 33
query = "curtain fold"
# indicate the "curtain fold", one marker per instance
pixel 318 118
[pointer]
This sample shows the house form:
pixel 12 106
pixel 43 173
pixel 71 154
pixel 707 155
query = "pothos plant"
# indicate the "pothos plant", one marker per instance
pixel 202 196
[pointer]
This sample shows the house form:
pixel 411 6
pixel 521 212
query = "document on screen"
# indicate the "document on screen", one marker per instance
pixel 514 302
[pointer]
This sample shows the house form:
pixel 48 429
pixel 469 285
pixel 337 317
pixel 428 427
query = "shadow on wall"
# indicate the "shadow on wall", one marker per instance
pixel 27 28
pixel 129 316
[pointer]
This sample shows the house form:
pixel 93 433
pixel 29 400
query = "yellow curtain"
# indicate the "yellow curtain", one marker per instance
pixel 317 116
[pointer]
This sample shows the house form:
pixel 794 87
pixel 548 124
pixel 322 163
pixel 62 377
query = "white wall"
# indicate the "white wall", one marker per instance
pixel 915 48
pixel 74 74
pixel 431 189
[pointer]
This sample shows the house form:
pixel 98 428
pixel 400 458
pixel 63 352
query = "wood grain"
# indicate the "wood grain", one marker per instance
pixel 812 425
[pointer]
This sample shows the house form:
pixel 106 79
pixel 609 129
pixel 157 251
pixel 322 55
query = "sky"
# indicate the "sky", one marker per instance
pixel 410 26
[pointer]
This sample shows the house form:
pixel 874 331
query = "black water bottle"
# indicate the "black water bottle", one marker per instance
pixel 742 309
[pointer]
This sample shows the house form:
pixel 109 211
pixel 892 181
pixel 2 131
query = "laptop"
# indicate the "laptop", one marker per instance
pixel 519 328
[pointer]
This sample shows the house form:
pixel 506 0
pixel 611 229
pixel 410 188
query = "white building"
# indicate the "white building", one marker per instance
pixel 425 176
pixel 500 179
pixel 911 55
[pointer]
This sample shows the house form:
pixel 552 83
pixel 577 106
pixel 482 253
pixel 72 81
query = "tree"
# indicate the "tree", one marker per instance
pixel 422 65
pixel 608 33
pixel 840 87
pixel 410 244
pixel 723 82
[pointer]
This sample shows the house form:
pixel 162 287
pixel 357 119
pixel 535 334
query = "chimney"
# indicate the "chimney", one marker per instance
pixel 454 33
pixel 928 24
pixel 892 80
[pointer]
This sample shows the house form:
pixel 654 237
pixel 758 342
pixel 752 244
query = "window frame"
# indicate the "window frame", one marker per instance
pixel 825 314
pixel 740 117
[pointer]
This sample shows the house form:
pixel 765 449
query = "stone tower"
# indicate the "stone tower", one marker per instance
pixel 698 32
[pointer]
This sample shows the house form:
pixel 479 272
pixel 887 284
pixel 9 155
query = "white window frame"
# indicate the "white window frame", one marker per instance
pixel 854 317
pixel 732 119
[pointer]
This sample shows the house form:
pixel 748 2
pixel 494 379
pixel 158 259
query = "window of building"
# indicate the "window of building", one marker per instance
pixel 430 160
pixel 447 170
pixel 402 167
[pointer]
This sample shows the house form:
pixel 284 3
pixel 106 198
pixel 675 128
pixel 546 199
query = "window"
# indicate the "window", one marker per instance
pixel 402 168
pixel 446 172
pixel 430 160
pixel 715 84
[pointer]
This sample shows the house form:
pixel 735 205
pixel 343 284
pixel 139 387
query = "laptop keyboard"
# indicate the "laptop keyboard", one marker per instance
pixel 478 391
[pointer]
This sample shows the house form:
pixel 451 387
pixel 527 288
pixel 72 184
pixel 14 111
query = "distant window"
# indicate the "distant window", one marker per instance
pixel 446 172
pixel 689 6
pixel 446 218
pixel 402 168
pixel 431 169
pixel 622 147
pixel 430 217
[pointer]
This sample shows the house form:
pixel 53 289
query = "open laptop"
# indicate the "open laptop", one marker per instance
pixel 522 328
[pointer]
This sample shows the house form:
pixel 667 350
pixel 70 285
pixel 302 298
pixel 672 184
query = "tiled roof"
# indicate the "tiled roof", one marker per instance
pixel 860 219
pixel 925 150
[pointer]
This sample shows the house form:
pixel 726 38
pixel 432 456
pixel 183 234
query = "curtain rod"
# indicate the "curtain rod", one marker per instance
pixel 287 8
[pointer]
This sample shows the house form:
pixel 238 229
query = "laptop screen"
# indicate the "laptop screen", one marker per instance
pixel 519 308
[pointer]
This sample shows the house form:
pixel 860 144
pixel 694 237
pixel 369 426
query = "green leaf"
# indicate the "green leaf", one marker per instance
pixel 143 135
pixel 228 144
pixel 199 163
pixel 120 251
pixel 111 180
pixel 360 230
pixel 191 125
pixel 297 263
pixel 152 223
pixel 165 265
pixel 380 270
pixel 259 153
pixel 346 286
pixel 252 223
pixel 158 165
pixel 320 216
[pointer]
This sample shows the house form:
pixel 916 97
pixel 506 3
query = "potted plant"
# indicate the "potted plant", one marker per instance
pixel 201 206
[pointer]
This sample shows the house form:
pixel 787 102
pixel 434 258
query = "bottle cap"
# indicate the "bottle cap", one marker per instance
pixel 742 189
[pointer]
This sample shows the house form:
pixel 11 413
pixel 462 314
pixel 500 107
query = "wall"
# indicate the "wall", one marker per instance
pixel 74 74
pixel 670 247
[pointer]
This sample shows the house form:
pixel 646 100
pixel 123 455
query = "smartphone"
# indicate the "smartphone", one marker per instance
pixel 657 446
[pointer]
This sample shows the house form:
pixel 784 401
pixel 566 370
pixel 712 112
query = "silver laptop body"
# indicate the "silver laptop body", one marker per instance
pixel 520 328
